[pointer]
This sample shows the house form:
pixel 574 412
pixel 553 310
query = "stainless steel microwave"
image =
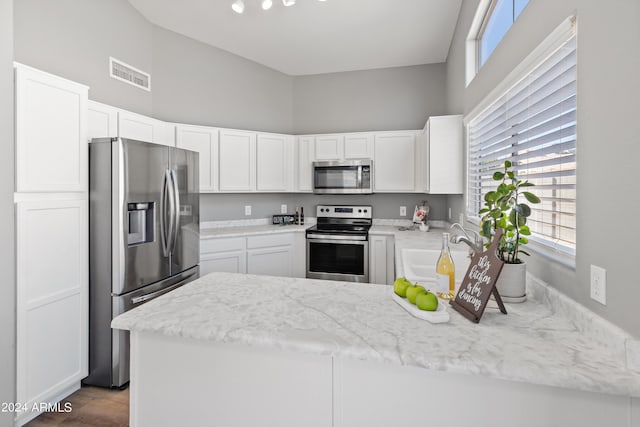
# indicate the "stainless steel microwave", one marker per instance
pixel 343 177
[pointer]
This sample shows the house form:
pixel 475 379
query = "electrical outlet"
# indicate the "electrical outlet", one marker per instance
pixel 461 219
pixel 247 210
pixel 599 284
pixel 403 211
pixel 283 209
pixel 449 214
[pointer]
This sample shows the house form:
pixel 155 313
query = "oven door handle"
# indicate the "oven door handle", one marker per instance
pixel 339 240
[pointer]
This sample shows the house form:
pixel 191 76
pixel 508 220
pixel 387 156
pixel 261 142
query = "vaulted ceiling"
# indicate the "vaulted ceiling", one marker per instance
pixel 315 37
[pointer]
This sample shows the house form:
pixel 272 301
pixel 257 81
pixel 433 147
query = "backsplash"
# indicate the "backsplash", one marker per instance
pixel 222 207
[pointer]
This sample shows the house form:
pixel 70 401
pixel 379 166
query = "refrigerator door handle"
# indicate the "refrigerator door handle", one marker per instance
pixel 172 210
pixel 163 211
pixel 175 211
pixel 165 232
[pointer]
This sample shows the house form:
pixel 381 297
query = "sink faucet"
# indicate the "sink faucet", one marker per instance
pixel 476 244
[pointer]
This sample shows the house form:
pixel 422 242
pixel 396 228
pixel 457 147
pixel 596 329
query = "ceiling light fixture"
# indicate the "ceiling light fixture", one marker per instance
pixel 238 6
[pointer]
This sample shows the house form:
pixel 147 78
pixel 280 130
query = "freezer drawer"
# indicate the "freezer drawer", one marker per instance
pixel 109 348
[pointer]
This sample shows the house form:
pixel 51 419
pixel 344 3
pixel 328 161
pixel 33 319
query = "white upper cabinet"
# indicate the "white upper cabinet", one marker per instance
pixel 306 151
pixel 444 136
pixel 164 133
pixel 358 146
pixel 103 121
pixel 204 141
pixel 395 165
pixel 143 128
pixel 135 126
pixel 275 162
pixel 51 133
pixel 237 161
pixel 329 147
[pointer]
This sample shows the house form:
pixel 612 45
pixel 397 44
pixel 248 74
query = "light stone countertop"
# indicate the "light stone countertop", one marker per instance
pixel 532 344
pixel 249 227
pixel 249 230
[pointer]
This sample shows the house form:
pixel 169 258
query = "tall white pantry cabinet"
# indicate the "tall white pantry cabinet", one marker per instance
pixel 51 202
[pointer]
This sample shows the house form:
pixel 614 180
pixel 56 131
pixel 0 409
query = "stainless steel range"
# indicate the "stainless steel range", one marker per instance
pixel 338 246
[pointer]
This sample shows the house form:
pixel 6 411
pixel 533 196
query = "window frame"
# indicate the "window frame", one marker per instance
pixel 550 44
pixel 476 31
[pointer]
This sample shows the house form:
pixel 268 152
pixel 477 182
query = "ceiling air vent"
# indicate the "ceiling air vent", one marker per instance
pixel 128 74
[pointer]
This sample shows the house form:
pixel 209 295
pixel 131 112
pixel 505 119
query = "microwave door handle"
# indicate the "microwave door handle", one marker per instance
pixel 359 184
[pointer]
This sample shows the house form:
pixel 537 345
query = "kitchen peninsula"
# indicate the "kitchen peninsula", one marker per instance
pixel 234 349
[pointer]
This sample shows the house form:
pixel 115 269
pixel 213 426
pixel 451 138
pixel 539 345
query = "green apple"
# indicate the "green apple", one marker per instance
pixel 427 301
pixel 413 292
pixel 400 286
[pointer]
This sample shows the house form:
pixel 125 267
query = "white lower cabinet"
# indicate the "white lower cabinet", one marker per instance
pixel 279 254
pixel 226 262
pixel 227 255
pixel 276 261
pixel 52 299
pixel 270 254
pixel 381 259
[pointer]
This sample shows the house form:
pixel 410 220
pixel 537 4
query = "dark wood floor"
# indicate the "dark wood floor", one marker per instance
pixel 91 406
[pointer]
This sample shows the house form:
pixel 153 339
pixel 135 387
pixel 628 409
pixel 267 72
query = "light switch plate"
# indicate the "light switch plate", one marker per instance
pixel 403 211
pixel 599 284
pixel 283 209
pixel 247 210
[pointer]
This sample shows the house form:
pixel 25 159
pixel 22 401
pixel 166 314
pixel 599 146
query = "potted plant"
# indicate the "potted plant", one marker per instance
pixel 504 209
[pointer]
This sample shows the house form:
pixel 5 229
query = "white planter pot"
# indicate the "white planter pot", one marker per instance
pixel 511 283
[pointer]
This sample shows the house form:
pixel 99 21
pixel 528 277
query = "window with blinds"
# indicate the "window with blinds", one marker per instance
pixel 533 125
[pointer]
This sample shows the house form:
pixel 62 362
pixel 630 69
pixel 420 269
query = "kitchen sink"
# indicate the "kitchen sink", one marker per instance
pixel 419 265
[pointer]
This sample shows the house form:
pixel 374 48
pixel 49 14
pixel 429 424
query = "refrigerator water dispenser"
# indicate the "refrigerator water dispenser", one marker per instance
pixel 140 223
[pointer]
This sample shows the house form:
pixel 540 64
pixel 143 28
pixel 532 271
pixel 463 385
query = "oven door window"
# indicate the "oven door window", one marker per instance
pixel 336 177
pixel 338 258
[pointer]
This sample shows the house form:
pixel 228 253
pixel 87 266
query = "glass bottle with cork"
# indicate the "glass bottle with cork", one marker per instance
pixel 445 271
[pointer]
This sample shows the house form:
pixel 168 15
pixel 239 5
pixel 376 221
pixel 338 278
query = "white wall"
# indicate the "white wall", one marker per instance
pixel 74 39
pixel 198 84
pixel 608 129
pixel 7 230
pixel 217 207
pixel 384 99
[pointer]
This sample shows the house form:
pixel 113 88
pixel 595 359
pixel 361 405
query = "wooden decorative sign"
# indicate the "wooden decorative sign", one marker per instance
pixel 480 283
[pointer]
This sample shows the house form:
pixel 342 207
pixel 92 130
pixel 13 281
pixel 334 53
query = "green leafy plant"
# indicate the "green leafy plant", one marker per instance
pixel 503 210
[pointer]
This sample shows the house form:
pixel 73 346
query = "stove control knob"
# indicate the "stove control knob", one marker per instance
pixel 321 210
pixel 360 211
pixel 365 211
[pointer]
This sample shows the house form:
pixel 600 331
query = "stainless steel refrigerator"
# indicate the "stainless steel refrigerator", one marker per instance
pixel 143 239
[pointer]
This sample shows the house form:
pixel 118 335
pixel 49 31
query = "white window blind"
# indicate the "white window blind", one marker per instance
pixel 533 125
